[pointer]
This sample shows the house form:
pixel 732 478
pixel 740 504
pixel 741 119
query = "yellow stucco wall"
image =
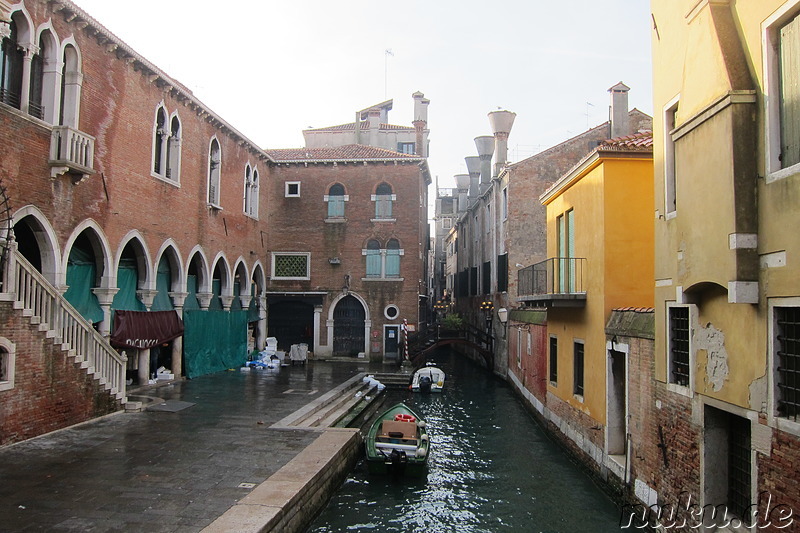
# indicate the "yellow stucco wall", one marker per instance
pixel 695 55
pixel 613 206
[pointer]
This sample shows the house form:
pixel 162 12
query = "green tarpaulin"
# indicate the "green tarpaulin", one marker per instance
pixel 81 274
pixel 127 281
pixel 191 303
pixel 162 301
pixel 213 341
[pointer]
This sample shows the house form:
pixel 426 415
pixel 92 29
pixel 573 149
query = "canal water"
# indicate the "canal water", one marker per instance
pixel 491 469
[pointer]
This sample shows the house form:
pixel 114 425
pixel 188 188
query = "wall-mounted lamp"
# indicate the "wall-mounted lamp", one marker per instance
pixel 502 314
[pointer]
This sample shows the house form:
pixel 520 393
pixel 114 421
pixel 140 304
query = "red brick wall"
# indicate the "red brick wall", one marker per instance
pixel 51 391
pixel 532 372
pixel 777 474
pixel 298 225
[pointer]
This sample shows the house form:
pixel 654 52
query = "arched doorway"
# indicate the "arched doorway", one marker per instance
pixel 348 327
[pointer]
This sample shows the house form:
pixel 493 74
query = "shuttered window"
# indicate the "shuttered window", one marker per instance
pixel 789 50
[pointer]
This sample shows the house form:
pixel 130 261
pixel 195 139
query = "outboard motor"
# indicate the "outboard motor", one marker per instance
pixel 425 383
pixel 398 461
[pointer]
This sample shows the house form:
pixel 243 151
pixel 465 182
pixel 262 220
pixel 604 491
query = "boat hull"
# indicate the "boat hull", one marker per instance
pixel 397 444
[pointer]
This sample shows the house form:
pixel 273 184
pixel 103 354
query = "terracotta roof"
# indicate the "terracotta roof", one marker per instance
pixel 350 152
pixel 351 126
pixel 636 309
pixel 638 142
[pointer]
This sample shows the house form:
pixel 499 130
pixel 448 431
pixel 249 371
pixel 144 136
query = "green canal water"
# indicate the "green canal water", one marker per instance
pixel 491 469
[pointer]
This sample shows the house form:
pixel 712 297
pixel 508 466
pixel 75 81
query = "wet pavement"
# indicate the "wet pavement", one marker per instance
pixel 159 470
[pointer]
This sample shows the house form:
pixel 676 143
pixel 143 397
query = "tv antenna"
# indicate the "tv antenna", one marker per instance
pixel 388 52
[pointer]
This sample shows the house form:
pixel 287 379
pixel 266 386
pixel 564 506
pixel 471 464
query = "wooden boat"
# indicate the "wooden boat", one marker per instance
pixel 428 379
pixel 397 443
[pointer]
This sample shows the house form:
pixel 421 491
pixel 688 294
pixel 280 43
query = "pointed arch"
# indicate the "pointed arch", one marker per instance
pixel 174 143
pixel 160 138
pixel 214 170
pixel 47 252
pixel 199 265
pixel 45 78
pixel 100 247
pixel 71 83
pixel 143 259
pixel 169 249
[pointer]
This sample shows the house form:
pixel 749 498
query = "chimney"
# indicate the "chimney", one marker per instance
pixel 618 112
pixel 485 145
pixel 421 123
pixel 374 125
pixel 501 122
pixel 357 130
pixel 474 169
pixel 462 185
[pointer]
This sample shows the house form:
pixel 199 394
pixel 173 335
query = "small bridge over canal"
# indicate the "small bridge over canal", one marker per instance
pixel 423 343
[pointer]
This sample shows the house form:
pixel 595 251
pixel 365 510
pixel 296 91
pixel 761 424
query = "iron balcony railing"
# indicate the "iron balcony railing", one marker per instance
pixel 557 276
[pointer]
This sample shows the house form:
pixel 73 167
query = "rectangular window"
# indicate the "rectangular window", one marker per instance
pixel 577 387
pixel 447 223
pixel 787 359
pixel 7 361
pixel 553 360
pixel 670 115
pixel 287 266
pixel 502 273
pixel 473 281
pixel 373 263
pixel 392 263
pixel 679 334
pixel 406 148
pixel 789 56
pixel 292 189
pixel 336 206
pixel 486 272
pixel 519 348
pixel 383 206
pixel 505 203
pixel 565 226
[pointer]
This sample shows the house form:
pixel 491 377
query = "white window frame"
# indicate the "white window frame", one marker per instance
pixel 290 278
pixel 287 185
pixel 670 174
pixel 214 179
pixel 8 350
pixel 688 390
pixel 393 199
pixel 769 42
pixel 327 198
pixel 383 254
pixel 773 419
pixel 162 155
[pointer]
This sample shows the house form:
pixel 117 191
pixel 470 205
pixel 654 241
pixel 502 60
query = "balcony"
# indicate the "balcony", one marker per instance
pixel 71 152
pixel 555 282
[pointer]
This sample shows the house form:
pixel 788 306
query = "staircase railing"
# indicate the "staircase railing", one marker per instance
pixel 33 293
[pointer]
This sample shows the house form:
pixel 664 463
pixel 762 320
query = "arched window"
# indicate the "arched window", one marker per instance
pixel 160 143
pixel 214 163
pixel 248 179
pixel 383 263
pixel 383 198
pixel 373 255
pixel 174 150
pixel 336 199
pixel 254 194
pixel 11 61
pixel 71 81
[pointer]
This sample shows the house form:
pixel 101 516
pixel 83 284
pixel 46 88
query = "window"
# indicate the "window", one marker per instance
pixel 447 223
pixel 476 228
pixel 505 203
pixel 292 189
pixel 214 164
pixel 406 148
pixel 174 149
pixel 678 350
pixel 519 348
pixel 486 274
pixel 577 376
pixel 565 225
pixel 488 219
pixel 670 117
pixel 44 80
pixel 289 266
pixel 336 199
pixel 251 191
pixel 71 80
pixel 502 273
pixel 160 135
pixel 383 199
pixel 391 312
pixel 383 263
pixel 787 361
pixel 782 77
pixel 553 360
pixel 7 359
pixel 11 60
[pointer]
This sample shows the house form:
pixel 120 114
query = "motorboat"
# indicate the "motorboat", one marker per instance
pixel 429 378
pixel 397 443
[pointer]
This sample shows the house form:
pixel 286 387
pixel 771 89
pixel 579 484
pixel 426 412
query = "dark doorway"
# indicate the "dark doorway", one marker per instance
pixel 348 327
pixel 291 322
pixel 391 342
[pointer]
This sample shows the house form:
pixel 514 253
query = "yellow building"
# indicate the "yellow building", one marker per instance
pixel 727 285
pixel 600 257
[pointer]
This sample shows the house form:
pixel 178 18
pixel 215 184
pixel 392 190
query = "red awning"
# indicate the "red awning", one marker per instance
pixel 143 329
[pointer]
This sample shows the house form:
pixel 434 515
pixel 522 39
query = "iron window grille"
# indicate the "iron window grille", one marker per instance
pixel 788 368
pixel 679 345
pixel 290 266
pixel 739 465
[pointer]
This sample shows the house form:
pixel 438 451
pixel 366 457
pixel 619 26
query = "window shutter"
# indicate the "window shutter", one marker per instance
pixel 790 93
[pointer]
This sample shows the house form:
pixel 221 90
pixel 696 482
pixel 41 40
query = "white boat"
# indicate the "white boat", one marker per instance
pixel 428 379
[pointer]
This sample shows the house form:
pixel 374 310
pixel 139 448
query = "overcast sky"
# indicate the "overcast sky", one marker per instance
pixel 273 68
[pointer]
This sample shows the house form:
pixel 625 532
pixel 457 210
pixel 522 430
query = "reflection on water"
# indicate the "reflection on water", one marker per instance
pixel 491 469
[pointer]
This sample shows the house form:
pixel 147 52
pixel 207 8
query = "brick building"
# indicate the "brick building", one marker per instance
pixel 128 199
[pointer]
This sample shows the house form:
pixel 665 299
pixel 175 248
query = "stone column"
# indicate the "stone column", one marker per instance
pixel 204 299
pixel 29 51
pixel 226 302
pixel 147 296
pixel 317 317
pixel 105 297
pixel 262 323
pixel 178 299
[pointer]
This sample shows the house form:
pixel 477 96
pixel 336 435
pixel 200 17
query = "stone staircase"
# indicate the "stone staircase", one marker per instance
pixel 338 407
pixel 36 299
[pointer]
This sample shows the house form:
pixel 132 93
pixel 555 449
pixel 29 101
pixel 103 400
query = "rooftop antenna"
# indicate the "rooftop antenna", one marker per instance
pixel 588 104
pixel 388 52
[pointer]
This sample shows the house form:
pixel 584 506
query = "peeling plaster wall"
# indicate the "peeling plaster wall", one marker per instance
pixel 710 344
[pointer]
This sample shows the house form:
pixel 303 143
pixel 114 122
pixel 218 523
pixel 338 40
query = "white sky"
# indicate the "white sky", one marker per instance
pixel 273 68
